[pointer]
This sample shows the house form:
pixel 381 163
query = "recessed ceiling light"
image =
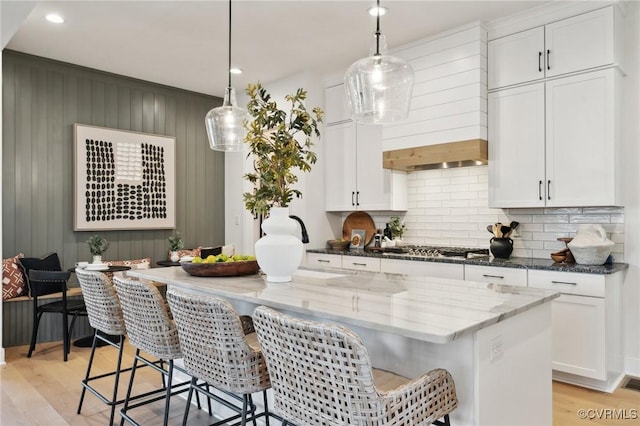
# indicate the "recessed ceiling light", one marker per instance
pixel 55 18
pixel 377 10
pixel 235 70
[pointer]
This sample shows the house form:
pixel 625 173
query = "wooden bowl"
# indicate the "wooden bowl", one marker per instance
pixel 339 245
pixel 558 257
pixel 221 269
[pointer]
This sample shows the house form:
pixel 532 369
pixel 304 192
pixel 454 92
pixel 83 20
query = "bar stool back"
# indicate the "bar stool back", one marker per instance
pixel 105 315
pixel 321 374
pixel 149 329
pixel 216 350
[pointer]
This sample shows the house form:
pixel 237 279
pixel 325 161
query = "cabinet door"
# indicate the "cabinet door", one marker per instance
pixel 581 153
pixel 516 147
pixel 336 106
pixel 374 185
pixel 340 167
pixel 516 58
pixel 581 42
pixel 579 341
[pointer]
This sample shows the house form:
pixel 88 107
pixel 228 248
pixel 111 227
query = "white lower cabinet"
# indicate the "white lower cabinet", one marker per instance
pixel 429 269
pixel 586 327
pixel 496 275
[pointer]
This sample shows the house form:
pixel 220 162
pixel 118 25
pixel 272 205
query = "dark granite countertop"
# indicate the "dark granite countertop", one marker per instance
pixel 513 262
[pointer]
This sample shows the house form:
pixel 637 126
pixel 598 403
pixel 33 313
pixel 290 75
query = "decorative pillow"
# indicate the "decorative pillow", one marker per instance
pixel 186 252
pixel 13 284
pixel 134 264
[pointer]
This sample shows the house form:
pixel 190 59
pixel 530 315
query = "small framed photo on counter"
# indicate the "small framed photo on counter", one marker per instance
pixel 357 239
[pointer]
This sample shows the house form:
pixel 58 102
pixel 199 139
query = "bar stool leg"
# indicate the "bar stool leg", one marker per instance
pixel 126 399
pixel 168 397
pixel 116 379
pixel 266 408
pixel 86 377
pixel 189 396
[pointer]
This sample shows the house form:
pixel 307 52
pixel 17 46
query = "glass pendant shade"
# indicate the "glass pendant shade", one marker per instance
pixel 225 124
pixel 379 87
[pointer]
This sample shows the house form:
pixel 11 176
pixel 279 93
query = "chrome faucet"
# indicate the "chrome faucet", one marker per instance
pixel 305 236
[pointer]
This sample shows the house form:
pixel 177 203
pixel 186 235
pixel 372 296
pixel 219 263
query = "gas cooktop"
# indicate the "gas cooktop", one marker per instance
pixel 436 251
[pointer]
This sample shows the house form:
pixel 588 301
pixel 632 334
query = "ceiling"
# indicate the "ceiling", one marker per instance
pixel 184 43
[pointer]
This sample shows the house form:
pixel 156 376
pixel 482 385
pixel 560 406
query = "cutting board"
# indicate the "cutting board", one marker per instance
pixel 359 220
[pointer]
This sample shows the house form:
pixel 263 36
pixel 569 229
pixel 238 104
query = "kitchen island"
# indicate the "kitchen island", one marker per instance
pixel 494 339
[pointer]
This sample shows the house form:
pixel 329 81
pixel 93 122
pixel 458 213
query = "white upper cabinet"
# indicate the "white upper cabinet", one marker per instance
pixel 582 152
pixel 555 143
pixel 517 58
pixel 336 106
pixel 516 147
pixel 354 177
pixel 578 43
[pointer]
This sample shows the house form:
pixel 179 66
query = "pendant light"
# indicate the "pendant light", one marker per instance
pixel 225 123
pixel 379 87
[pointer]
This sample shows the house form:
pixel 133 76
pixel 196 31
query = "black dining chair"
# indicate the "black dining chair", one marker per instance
pixel 45 276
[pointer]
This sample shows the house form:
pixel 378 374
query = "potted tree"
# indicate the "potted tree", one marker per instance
pixel 97 246
pixel 280 144
pixel 175 244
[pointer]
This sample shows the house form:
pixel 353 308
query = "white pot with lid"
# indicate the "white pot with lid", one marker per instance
pixel 591 246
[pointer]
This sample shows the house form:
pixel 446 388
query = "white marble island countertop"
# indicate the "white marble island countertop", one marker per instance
pixel 434 310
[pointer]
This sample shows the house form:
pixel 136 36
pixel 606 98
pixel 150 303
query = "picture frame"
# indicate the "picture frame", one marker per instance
pixel 357 239
pixel 123 180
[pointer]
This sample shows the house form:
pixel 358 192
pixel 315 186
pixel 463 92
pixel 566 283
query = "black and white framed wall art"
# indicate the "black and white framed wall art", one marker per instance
pixel 123 180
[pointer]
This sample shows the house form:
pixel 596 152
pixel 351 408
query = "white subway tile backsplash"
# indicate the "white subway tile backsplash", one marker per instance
pixel 589 218
pixel 450 207
pixel 552 218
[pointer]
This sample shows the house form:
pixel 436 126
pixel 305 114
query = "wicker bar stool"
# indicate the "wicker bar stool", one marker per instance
pixel 105 315
pixel 149 329
pixel 217 351
pixel 321 374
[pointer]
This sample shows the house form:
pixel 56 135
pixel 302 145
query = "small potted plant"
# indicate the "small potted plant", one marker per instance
pixel 397 228
pixel 97 246
pixel 175 244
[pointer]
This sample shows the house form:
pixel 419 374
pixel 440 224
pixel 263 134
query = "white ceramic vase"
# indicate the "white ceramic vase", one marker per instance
pixel 174 256
pixel 279 252
pixel 97 258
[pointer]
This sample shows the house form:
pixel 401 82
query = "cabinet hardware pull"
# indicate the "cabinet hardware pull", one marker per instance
pixel 540 189
pixel 563 282
pixel 493 276
pixel 548 62
pixel 324 261
pixel 358 264
pixel 539 61
pixel 357 198
pixel 549 189
pixel 352 195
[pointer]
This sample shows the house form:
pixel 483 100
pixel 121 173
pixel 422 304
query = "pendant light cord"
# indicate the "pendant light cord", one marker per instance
pixel 229 69
pixel 378 30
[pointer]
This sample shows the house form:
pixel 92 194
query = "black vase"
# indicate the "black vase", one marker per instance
pixel 501 247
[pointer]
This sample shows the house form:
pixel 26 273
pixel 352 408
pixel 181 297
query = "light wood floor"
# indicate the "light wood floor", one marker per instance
pixel 44 390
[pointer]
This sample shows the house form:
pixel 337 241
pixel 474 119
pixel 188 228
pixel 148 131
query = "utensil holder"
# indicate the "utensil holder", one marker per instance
pixel 501 247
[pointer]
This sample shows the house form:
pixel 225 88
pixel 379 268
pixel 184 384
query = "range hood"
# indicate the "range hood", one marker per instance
pixel 441 156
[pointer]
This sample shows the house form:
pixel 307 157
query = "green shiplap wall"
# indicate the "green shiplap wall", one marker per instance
pixel 42 100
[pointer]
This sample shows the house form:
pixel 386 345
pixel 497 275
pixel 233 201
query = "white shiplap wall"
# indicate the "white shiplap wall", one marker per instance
pixel 450 90
pixel 449 207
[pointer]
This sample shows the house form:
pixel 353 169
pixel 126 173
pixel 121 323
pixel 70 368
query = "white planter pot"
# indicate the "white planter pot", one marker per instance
pixel 279 252
pixel 174 256
pixel 97 258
